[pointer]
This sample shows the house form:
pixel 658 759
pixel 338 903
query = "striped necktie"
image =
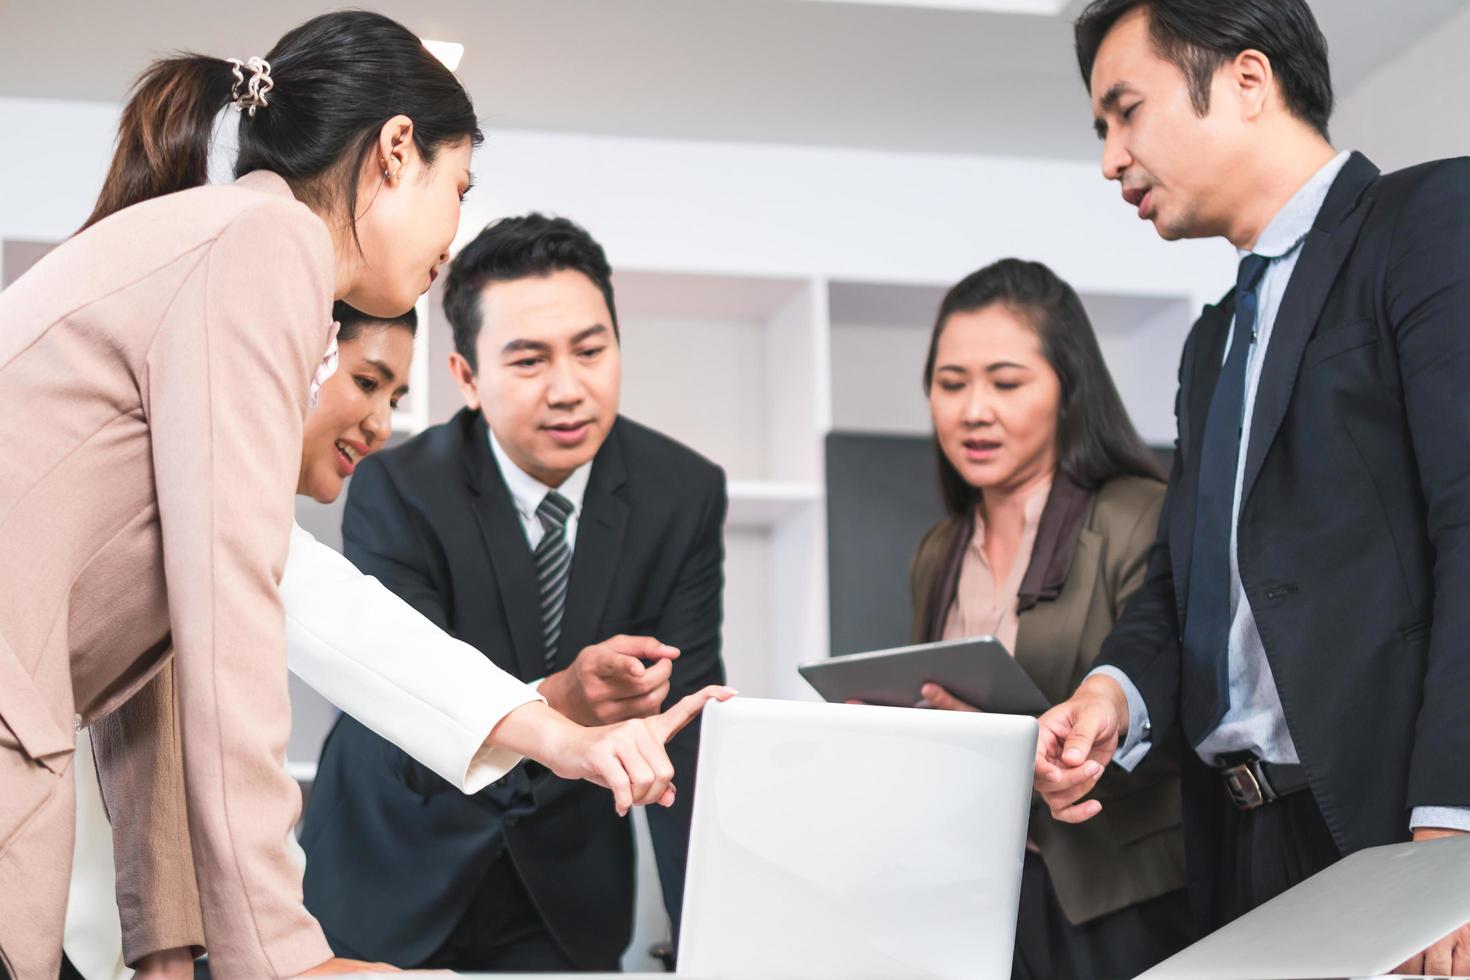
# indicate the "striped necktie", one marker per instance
pixel 553 568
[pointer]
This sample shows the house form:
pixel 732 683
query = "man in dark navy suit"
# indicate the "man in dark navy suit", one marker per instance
pixel 577 549
pixel 1305 621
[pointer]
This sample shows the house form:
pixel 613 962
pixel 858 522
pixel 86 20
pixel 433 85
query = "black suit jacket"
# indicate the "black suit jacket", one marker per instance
pixel 1354 525
pixel 394 853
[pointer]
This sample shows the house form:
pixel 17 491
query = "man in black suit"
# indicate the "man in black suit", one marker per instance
pixel 535 524
pixel 1304 620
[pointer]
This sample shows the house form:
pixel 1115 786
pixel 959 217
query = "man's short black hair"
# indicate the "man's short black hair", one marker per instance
pixel 1199 36
pixel 519 248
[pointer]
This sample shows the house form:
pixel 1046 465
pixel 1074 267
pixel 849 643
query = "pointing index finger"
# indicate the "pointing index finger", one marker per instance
pixel 669 724
pixel 642 647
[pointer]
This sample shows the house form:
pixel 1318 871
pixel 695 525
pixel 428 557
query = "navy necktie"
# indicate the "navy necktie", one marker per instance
pixel 1205 680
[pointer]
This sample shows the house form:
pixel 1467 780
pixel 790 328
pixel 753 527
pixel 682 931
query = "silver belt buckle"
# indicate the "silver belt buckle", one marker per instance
pixel 1245 789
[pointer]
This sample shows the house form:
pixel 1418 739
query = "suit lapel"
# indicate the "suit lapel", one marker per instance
pixel 1048 635
pixel 946 581
pixel 1202 374
pixel 1326 248
pixel 600 531
pixel 1213 330
pixel 510 554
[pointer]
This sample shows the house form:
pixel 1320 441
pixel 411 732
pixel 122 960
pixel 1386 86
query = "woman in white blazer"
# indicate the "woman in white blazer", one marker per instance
pixel 362 648
pixel 354 641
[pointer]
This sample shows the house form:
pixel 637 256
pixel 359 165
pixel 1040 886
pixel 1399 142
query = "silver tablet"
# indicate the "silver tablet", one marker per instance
pixel 979 671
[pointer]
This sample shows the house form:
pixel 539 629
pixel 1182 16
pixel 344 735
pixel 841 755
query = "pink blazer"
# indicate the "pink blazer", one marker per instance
pixel 153 381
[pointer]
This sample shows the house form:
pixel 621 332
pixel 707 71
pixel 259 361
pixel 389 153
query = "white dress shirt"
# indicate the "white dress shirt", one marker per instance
pixel 1255 721
pixel 528 492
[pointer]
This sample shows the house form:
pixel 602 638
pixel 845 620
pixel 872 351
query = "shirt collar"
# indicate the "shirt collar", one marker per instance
pixel 1296 217
pixel 528 492
pixel 327 367
pixel 266 182
pixel 1031 510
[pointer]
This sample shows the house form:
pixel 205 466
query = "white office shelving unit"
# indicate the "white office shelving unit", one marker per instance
pixel 730 365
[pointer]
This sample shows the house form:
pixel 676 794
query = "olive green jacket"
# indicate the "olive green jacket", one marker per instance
pixel 1134 849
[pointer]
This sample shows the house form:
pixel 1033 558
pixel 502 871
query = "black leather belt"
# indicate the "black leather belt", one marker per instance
pixel 1252 783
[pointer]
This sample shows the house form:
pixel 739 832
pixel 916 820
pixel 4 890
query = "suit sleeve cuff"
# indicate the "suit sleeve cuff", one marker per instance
pixel 1442 817
pixel 491 764
pixel 1139 738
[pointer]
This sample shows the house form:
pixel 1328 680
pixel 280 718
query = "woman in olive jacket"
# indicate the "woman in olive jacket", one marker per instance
pixel 1053 504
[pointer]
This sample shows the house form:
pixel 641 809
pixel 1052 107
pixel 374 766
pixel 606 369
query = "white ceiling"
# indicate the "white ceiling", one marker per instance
pixel 949 76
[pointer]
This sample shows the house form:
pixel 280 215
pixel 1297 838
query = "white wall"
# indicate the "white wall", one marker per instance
pixel 842 214
pixel 1413 108
pixel 836 213
pixel 759 210
pixel 60 153
pixel 727 208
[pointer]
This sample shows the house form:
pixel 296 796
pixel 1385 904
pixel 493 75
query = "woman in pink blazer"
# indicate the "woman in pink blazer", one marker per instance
pixel 154 375
pixel 361 647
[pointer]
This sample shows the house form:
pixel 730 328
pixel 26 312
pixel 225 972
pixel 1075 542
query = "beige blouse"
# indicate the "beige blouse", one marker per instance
pixel 983 606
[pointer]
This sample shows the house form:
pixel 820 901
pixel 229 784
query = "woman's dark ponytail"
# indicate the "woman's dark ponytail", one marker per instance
pixel 335 81
pixel 164 135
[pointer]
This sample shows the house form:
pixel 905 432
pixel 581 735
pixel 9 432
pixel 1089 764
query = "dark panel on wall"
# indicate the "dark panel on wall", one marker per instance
pixel 882 495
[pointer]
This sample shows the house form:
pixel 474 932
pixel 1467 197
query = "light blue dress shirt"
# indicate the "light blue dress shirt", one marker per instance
pixel 1255 722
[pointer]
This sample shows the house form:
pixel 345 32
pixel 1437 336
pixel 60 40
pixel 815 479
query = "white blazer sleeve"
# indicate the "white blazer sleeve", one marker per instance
pixel 375 657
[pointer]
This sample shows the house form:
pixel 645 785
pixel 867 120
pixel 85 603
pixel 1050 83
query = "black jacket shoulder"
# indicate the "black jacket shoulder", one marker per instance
pixel 433 457
pixel 432 452
pixel 1450 176
pixel 648 451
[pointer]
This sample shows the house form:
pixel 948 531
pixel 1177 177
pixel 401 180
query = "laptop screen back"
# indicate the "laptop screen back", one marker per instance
pixel 849 841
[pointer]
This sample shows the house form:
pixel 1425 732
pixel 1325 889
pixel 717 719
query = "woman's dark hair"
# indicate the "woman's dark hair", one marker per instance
pixel 519 248
pixel 336 80
pixel 1198 36
pixel 1095 440
pixel 353 321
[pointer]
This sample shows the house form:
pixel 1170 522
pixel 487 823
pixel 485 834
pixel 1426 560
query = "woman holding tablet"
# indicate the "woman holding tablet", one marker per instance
pixel 1053 502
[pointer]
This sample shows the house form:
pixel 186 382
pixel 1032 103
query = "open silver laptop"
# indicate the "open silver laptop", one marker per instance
pixel 1361 917
pixel 849 841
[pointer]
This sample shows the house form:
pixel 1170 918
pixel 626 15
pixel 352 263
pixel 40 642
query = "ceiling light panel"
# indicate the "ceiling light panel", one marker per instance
pixel 1040 8
pixel 446 51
